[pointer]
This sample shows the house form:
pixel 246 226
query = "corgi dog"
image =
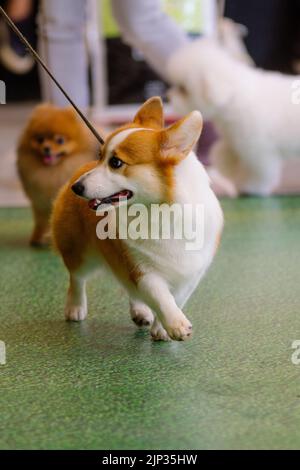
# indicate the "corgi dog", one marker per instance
pixel 53 145
pixel 142 163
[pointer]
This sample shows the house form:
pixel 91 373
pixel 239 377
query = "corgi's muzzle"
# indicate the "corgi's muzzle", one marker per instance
pixel 115 199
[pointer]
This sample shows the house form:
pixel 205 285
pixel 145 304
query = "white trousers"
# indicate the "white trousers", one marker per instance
pixel 61 23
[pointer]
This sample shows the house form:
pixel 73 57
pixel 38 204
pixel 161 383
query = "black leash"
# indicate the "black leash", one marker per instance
pixel 40 61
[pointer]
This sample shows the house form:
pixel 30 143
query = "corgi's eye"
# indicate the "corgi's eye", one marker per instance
pixel 40 139
pixel 60 140
pixel 115 163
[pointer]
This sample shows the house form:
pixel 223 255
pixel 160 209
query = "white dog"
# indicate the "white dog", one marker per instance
pixel 231 35
pixel 253 110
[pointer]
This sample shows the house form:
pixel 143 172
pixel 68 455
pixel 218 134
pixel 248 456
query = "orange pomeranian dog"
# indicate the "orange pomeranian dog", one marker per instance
pixel 143 167
pixel 54 144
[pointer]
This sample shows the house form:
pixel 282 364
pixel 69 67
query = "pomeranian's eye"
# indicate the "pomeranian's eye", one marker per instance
pixel 115 163
pixel 59 139
pixel 40 139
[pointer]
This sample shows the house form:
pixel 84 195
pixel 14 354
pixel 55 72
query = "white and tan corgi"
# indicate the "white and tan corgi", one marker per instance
pixel 142 163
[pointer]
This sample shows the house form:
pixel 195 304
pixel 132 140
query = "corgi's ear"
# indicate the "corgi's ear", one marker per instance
pixel 179 139
pixel 151 114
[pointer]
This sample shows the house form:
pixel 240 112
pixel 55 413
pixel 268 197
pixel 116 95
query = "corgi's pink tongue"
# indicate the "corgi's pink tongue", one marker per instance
pixel 114 199
pixel 94 204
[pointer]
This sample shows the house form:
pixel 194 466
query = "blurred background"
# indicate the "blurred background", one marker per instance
pixel 119 77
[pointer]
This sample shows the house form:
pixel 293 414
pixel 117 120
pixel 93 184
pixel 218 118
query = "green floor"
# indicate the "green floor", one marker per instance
pixel 103 384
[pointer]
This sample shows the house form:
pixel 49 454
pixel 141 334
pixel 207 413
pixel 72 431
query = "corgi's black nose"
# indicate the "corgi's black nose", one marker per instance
pixel 78 188
pixel 47 150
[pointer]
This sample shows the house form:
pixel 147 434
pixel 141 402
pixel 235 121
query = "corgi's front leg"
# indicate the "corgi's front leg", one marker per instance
pixel 156 293
pixel 140 313
pixel 76 306
pixel 158 332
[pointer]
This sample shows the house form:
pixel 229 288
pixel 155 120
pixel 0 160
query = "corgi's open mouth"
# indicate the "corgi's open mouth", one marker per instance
pixel 112 200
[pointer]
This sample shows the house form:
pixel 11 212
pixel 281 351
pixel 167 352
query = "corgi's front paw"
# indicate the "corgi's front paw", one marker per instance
pixel 180 329
pixel 158 333
pixel 75 313
pixel 141 314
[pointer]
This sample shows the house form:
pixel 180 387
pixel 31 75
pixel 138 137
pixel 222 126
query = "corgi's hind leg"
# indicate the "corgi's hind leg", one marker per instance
pixel 140 313
pixel 80 271
pixel 76 306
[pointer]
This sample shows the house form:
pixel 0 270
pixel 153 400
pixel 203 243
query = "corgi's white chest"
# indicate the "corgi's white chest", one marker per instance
pixel 179 260
pixel 167 257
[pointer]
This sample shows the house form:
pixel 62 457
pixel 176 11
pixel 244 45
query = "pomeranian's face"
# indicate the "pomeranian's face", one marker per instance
pixel 51 148
pixel 54 134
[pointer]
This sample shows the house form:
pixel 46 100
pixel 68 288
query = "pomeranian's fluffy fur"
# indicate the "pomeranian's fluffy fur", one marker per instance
pixel 53 145
pixel 253 110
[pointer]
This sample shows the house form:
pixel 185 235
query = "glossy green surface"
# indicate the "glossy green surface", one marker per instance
pixel 104 384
